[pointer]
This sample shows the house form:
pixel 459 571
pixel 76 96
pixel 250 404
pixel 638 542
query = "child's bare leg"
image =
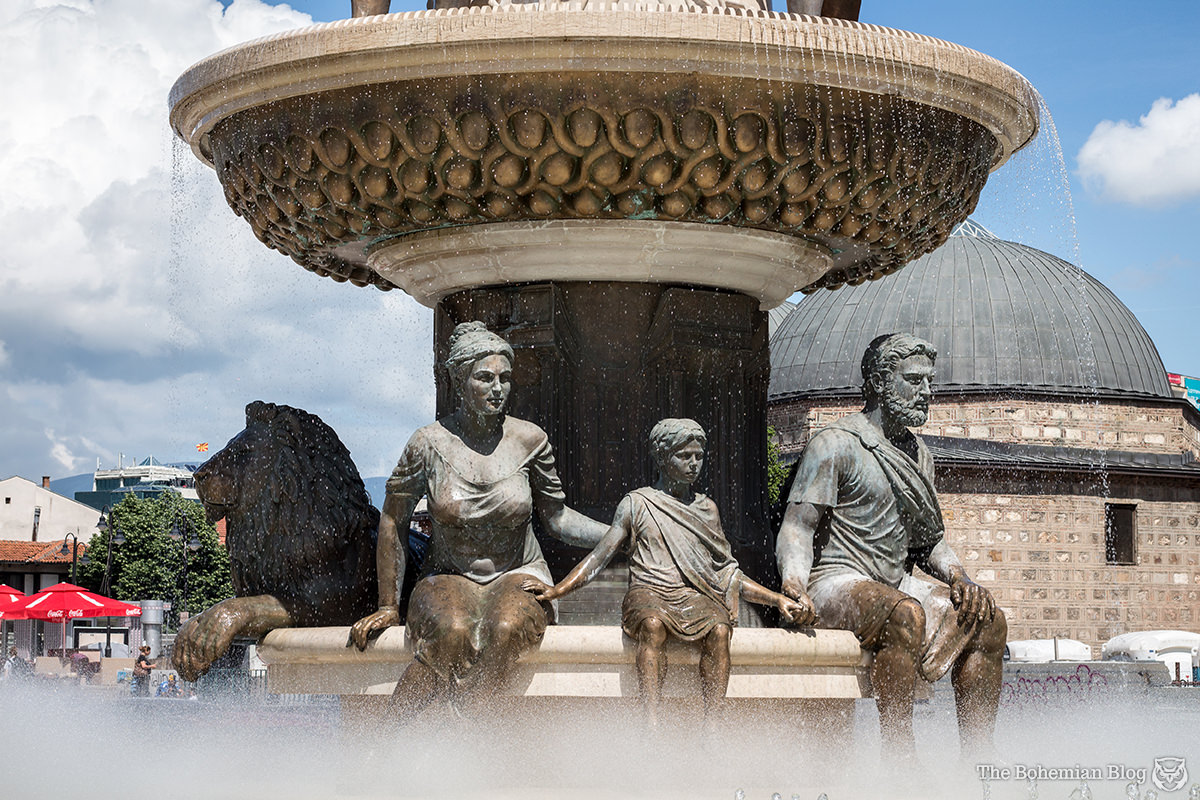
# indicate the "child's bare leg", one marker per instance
pixel 651 667
pixel 714 667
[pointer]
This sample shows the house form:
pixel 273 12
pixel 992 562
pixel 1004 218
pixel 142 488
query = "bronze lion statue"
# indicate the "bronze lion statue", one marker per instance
pixel 300 530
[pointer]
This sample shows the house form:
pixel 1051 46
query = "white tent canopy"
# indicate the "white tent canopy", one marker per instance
pixel 1177 649
pixel 1034 651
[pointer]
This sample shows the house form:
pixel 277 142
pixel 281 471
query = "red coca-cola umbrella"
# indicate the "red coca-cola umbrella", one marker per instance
pixel 9 597
pixel 64 601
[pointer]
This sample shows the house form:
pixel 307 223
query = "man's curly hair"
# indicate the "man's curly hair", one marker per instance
pixel 883 354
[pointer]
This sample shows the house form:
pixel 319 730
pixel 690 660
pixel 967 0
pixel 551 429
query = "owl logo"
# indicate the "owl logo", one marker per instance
pixel 1170 773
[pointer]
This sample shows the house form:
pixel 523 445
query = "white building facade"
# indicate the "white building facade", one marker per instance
pixel 33 513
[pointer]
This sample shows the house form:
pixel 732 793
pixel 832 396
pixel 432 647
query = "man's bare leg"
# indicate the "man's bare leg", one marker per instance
pixel 714 668
pixel 894 676
pixel 977 678
pixel 651 667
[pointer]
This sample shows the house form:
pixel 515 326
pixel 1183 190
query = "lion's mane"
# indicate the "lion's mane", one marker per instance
pixel 300 524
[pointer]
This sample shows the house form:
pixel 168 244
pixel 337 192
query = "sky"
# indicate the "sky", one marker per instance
pixel 138 315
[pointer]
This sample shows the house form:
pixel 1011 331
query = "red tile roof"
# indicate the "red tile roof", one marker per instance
pixel 37 552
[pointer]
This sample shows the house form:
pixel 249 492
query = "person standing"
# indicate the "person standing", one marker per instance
pixel 140 685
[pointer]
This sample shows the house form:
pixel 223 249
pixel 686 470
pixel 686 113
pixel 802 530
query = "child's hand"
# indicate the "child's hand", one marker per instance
pixel 539 589
pixel 797 612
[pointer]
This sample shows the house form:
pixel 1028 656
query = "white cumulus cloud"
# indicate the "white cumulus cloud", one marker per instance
pixel 137 313
pixel 60 451
pixel 1153 163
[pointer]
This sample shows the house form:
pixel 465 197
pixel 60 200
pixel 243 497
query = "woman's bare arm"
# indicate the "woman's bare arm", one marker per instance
pixel 568 525
pixel 391 556
pixel 590 566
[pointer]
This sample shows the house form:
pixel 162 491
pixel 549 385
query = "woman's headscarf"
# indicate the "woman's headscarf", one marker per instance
pixel 469 342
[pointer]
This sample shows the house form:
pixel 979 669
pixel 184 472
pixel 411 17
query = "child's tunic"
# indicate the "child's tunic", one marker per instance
pixel 681 569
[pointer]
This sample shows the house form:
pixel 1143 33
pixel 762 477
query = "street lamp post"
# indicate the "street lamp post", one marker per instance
pixel 179 530
pixel 73 552
pixel 117 538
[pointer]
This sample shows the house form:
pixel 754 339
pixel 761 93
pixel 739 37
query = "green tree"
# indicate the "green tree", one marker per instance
pixel 777 471
pixel 149 564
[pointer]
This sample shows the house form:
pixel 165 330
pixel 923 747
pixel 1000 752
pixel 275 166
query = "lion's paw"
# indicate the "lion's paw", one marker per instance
pixel 205 638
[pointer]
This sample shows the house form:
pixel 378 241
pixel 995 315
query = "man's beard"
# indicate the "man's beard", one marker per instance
pixel 908 413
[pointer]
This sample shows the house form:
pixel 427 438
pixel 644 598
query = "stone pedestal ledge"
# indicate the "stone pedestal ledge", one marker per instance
pixel 769 267
pixel 578 661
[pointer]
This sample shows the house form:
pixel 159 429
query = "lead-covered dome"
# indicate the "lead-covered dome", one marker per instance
pixel 1003 316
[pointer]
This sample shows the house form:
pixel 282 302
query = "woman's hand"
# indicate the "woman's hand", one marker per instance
pixel 361 631
pixel 799 611
pixel 540 590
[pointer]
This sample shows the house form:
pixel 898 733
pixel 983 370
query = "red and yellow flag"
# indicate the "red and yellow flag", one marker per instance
pixel 202 447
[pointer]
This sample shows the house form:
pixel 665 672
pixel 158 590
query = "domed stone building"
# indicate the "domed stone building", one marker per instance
pixel 1066 467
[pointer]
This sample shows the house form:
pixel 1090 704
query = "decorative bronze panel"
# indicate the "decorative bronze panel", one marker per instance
pixel 877 179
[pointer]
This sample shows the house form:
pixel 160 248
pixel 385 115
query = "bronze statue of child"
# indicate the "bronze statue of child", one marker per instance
pixel 683 579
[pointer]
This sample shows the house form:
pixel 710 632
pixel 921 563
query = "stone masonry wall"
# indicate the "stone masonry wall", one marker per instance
pixel 1110 424
pixel 1042 555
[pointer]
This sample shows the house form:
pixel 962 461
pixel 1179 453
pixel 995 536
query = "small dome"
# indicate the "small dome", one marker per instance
pixel 777 315
pixel 1002 316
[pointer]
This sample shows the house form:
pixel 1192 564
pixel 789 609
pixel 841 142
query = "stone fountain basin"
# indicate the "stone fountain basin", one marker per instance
pixel 580 661
pixel 843 149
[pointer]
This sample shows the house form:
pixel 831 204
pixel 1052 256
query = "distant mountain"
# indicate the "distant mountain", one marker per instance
pixel 67 487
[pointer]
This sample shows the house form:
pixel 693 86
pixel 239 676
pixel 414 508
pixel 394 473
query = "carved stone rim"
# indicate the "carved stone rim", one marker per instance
pixel 434 264
pixel 620 38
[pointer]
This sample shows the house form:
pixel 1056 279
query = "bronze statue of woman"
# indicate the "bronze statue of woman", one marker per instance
pixel 484 474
